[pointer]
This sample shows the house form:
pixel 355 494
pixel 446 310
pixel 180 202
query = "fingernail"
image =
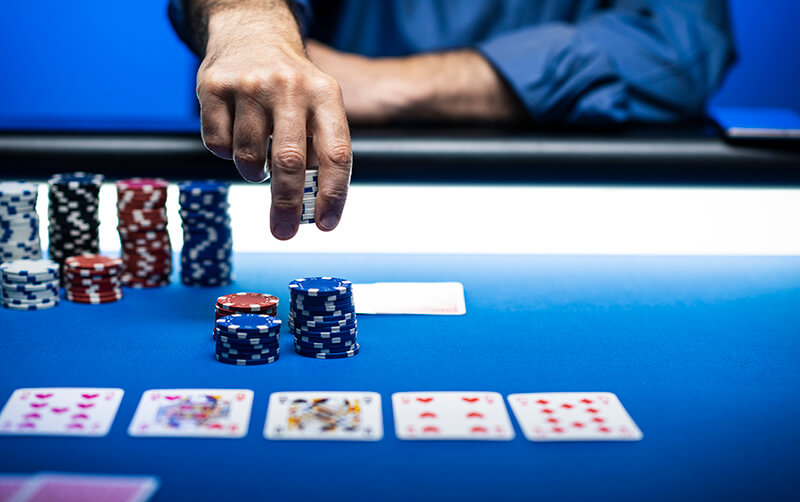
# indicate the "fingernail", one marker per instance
pixel 284 230
pixel 329 221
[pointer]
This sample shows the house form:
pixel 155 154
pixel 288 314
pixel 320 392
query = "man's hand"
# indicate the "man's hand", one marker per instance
pixel 456 85
pixel 255 81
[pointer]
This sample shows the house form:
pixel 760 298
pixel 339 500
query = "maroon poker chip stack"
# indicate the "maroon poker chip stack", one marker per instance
pixel 92 279
pixel 146 248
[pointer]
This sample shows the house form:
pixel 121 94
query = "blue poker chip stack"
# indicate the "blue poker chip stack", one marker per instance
pixel 247 339
pixel 74 200
pixel 207 240
pixel 29 284
pixel 19 223
pixel 322 318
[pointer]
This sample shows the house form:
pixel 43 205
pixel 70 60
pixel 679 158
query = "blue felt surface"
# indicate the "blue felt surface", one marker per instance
pixel 703 352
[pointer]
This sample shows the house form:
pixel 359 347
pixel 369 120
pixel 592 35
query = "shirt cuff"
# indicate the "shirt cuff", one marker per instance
pixel 558 76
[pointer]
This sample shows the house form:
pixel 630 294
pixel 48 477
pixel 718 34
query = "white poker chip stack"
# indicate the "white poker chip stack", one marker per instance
pixel 19 223
pixel 310 195
pixel 29 284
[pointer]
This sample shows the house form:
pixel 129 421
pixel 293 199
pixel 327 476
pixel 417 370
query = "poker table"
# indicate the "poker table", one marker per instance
pixel 703 352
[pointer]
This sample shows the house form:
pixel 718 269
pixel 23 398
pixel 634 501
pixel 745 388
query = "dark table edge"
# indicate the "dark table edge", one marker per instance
pixel 563 158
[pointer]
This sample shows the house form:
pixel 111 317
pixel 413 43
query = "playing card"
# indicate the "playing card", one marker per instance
pixel 60 411
pixel 86 488
pixel 451 415
pixel 573 416
pixel 425 298
pixel 11 484
pixel 223 413
pixel 354 416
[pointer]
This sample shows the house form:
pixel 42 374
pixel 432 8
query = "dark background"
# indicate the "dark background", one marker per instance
pixel 118 66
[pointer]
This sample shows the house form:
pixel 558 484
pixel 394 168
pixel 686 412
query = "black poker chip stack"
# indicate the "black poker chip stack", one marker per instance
pixel 73 217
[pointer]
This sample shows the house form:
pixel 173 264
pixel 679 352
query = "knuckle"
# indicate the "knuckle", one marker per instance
pixel 289 80
pixel 284 203
pixel 213 83
pixel 289 159
pixel 339 156
pixel 335 194
pixel 247 156
pixel 252 83
pixel 326 87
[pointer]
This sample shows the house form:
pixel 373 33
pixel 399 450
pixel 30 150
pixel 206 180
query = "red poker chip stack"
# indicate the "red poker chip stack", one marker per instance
pixel 246 303
pixel 93 278
pixel 146 248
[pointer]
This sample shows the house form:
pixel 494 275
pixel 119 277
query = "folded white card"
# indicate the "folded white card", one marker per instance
pixel 424 298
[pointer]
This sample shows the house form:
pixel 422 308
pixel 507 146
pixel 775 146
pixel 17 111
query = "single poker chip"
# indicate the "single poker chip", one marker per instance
pixel 35 269
pixel 251 340
pixel 252 355
pixel 306 317
pixel 30 301
pixel 314 343
pixel 250 301
pixel 328 355
pixel 18 190
pixel 242 336
pixel 323 298
pixel 335 325
pixel 324 332
pixel 322 337
pixel 77 179
pixel 35 296
pixel 245 362
pixel 247 323
pixel 30 288
pixel 92 300
pixel 142 184
pixel 115 293
pixel 75 273
pixel 93 262
pixel 324 314
pixel 239 347
pixel 322 307
pixel 320 286
pixel 204 187
pixel 43 306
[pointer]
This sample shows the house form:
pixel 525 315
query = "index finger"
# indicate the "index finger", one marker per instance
pixel 331 141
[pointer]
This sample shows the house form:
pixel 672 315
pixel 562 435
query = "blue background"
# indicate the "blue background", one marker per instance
pixel 118 65
pixel 702 351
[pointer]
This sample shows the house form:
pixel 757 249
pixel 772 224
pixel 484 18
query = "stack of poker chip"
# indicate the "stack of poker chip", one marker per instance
pixel 310 195
pixel 74 200
pixel 93 279
pixel 19 223
pixel 207 239
pixel 142 226
pixel 246 303
pixel 247 339
pixel 322 318
pixel 30 284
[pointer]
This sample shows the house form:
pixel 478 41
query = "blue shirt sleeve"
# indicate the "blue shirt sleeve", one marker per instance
pixel 651 61
pixel 177 16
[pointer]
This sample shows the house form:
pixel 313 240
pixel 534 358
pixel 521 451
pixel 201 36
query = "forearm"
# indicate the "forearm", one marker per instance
pixel 204 17
pixel 456 85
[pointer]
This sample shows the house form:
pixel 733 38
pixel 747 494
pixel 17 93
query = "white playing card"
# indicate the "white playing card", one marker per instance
pixel 60 411
pixel 425 298
pixel 573 416
pixel 208 413
pixel 54 487
pixel 354 416
pixel 451 415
